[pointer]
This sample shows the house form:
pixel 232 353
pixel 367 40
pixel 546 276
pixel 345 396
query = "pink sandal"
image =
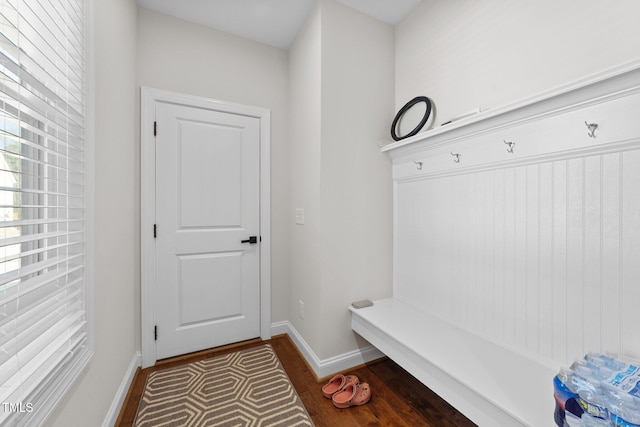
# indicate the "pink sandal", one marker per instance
pixel 338 383
pixel 352 395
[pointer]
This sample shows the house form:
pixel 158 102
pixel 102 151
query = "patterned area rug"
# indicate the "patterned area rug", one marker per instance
pixel 245 388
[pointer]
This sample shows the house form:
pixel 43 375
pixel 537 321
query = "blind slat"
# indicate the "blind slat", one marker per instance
pixel 35 237
pixel 49 61
pixel 45 192
pixel 33 84
pixel 24 108
pixel 40 350
pixel 33 284
pixel 45 222
pixel 36 319
pixel 6 256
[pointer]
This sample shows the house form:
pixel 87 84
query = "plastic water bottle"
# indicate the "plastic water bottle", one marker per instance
pixel 610 361
pixel 600 390
pixel 589 421
pixel 624 410
pixel 626 381
pixel 590 396
pixel 594 404
pixel 568 411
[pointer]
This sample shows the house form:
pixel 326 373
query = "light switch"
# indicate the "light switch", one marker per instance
pixel 300 216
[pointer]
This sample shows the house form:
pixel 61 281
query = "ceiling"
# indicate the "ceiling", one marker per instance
pixel 273 22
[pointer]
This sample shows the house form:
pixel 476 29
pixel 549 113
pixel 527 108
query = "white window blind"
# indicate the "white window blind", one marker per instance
pixel 43 319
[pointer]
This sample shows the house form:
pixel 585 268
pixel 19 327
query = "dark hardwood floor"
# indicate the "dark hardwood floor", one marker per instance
pixel 397 399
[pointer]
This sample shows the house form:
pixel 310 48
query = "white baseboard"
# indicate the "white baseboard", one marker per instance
pixel 114 410
pixel 326 367
pixel 280 328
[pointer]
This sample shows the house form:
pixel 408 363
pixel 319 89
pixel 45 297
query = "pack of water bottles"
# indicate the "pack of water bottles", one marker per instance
pixel 598 391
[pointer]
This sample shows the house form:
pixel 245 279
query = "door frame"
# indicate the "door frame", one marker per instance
pixel 149 97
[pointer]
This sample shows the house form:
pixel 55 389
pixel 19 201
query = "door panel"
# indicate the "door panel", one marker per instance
pixel 207 201
pixel 211 278
pixel 210 154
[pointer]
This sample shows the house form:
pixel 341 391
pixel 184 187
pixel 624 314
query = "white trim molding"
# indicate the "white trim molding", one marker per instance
pixel 148 99
pixel 323 368
pixel 121 394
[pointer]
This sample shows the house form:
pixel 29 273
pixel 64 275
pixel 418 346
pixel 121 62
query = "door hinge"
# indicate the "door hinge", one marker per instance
pixel 155 230
pixel 155 128
pixel 155 332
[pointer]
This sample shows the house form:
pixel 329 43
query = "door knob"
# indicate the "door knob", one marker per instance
pixel 251 239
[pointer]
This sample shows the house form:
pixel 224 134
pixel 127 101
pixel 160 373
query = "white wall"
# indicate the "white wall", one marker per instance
pixel 341 70
pixel 180 56
pixel 465 54
pixel 305 84
pixel 356 208
pixel 116 218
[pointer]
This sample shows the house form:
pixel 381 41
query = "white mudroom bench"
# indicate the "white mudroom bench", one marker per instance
pixel 486 382
pixel 515 248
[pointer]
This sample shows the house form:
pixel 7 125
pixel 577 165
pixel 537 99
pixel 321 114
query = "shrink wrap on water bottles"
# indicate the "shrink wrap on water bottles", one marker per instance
pixel 598 391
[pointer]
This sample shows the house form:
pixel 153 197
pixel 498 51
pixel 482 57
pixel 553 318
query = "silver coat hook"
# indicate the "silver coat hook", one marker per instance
pixel 510 146
pixel 592 129
pixel 456 157
pixel 419 165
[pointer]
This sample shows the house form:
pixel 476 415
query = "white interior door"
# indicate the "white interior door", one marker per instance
pixel 207 281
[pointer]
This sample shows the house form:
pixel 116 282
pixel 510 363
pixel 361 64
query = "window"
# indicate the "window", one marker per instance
pixel 44 338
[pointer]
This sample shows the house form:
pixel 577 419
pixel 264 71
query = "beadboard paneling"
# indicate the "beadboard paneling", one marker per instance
pixel 630 247
pixel 543 257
